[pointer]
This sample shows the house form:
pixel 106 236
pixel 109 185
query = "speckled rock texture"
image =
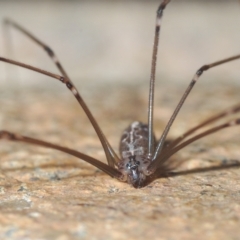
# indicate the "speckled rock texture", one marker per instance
pixel 46 194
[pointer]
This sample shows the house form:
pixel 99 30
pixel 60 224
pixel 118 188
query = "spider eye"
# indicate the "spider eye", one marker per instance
pixel 128 165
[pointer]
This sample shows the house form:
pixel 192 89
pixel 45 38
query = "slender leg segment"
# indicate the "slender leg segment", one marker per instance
pixel 168 154
pixel 210 120
pixel 111 156
pixel 49 51
pixel 154 153
pixel 156 161
pixel 104 167
pixel 152 78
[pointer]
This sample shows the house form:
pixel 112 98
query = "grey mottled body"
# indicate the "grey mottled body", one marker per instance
pixel 134 153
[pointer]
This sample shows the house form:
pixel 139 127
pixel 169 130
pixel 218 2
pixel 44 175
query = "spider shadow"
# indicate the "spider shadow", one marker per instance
pixel 57 169
pixel 166 172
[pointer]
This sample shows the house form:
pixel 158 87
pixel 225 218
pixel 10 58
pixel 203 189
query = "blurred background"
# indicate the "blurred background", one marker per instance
pixel 111 41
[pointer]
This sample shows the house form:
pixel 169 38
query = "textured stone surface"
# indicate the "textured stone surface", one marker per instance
pixel 45 194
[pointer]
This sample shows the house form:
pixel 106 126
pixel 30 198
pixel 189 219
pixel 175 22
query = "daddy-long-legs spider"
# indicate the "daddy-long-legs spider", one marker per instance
pixel 142 157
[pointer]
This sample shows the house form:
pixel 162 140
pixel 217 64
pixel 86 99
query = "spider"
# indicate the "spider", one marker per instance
pixel 142 157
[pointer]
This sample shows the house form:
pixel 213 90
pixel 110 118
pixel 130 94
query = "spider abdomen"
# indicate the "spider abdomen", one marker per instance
pixel 134 140
pixel 134 150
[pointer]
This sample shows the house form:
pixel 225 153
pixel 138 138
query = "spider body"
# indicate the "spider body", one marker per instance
pixel 134 155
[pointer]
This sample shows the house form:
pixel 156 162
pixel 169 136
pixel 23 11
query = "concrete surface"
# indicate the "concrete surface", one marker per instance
pixel 45 194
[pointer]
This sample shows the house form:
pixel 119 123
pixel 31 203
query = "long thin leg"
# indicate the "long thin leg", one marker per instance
pixel 63 80
pixel 104 167
pixel 109 152
pixel 208 121
pixel 152 167
pixel 50 52
pixel 152 78
pixel 168 154
pixel 56 76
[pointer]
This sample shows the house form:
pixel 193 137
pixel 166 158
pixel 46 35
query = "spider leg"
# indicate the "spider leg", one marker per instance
pixel 100 165
pixel 169 153
pixel 154 153
pixel 158 150
pixel 152 78
pixel 219 116
pixel 50 52
pixel 111 156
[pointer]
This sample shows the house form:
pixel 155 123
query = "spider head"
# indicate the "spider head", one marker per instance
pixel 134 168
